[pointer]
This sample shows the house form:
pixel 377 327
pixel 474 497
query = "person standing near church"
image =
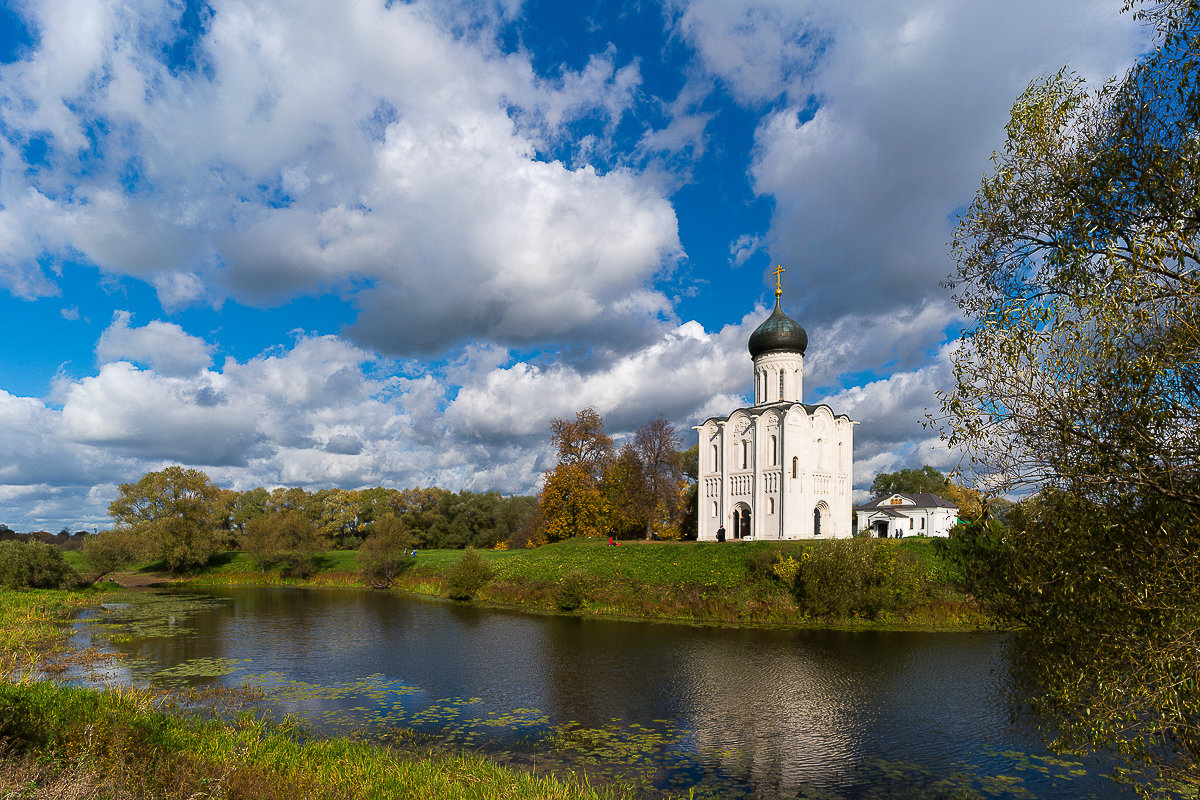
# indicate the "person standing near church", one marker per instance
pixel 721 534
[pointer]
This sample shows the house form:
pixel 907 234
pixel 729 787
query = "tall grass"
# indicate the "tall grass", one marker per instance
pixel 141 752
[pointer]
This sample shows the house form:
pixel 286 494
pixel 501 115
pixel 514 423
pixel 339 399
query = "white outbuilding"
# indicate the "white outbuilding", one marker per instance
pixel 896 515
pixel 781 468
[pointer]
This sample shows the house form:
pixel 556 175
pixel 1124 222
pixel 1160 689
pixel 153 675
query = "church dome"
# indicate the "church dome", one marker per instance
pixel 778 333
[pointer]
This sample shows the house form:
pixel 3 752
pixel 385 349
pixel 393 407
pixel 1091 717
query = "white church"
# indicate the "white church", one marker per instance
pixel 780 469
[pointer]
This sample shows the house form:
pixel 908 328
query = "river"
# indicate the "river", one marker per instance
pixel 727 712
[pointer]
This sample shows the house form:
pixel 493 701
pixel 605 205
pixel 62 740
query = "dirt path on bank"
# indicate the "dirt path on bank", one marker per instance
pixel 139 580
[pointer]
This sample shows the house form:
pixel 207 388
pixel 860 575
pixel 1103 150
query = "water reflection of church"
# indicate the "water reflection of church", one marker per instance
pixel 780 469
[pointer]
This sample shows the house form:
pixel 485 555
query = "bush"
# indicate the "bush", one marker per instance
pixel 467 576
pixel 572 592
pixel 856 577
pixel 760 563
pixel 385 552
pixel 34 565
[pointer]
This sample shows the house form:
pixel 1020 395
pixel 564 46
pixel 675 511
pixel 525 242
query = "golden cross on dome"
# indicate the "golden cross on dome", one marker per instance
pixel 777 272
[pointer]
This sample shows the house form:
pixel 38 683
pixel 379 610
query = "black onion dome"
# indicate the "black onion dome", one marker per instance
pixel 778 333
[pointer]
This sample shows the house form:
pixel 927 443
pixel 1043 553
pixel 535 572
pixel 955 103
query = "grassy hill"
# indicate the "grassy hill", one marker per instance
pixel 696 582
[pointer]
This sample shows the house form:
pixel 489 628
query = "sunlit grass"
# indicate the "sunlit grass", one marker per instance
pixel 694 582
pixel 148 753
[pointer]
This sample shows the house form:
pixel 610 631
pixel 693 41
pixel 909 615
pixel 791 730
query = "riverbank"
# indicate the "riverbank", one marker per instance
pixel 731 584
pixel 65 742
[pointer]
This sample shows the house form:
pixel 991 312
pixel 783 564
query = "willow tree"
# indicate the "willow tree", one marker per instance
pixel 171 513
pixel 1079 381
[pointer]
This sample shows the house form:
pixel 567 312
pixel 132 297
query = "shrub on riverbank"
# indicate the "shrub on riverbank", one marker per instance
pixel 855 577
pixel 386 552
pixel 467 576
pixel 34 565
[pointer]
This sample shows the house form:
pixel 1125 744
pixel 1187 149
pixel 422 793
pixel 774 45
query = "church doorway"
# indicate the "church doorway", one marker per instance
pixel 741 521
pixel 881 528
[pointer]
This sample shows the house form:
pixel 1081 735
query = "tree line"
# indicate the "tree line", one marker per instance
pixel 179 516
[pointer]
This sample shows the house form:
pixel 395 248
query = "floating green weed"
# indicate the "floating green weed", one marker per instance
pixel 131 616
pixel 206 667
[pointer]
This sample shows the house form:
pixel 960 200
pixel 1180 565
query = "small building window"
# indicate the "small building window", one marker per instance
pixel 795 466
pixel 714 508
pixel 780 384
pixel 746 454
pixel 715 461
pixel 817 521
pixel 774 451
pixel 770 505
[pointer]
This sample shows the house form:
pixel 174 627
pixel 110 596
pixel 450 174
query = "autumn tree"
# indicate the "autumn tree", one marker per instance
pixel 625 494
pixel 171 511
pixel 1079 378
pixel 657 446
pixel 572 498
pixel 582 442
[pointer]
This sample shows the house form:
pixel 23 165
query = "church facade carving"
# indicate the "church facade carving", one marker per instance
pixel 781 468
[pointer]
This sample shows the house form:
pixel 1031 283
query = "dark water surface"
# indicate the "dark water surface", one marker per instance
pixel 737 713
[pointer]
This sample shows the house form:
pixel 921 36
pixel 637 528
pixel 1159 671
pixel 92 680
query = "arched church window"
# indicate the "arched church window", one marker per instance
pixel 841 456
pixel 770 505
pixel 774 451
pixel 715 461
pixel 780 384
pixel 746 454
pixel 795 466
pixel 820 455
pixel 714 508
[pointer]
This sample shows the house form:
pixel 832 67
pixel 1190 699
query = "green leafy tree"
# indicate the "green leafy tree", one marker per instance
pixel 909 481
pixel 171 511
pixel 1079 378
pixel 248 505
pixel 386 552
pixel 689 461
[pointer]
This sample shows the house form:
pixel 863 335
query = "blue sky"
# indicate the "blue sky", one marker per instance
pixel 365 243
